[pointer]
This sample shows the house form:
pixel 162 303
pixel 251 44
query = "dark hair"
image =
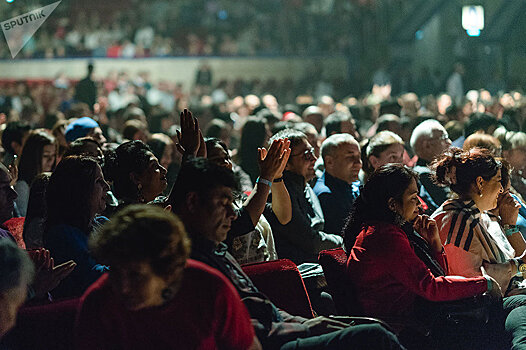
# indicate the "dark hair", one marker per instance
pixel 333 123
pixel 215 127
pixel 211 142
pixel 14 132
pixel 69 192
pixel 130 157
pixel 388 181
pixel 505 172
pixel 157 146
pixel 78 147
pixel 31 159
pixel 131 127
pixel 143 233
pixel 201 176
pixel 479 121
pixel 295 137
pixel 253 135
pixel 459 169
pixel 36 211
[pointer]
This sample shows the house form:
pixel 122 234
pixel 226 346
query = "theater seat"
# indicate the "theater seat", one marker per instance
pixel 333 262
pixel 281 282
pixel 16 228
pixel 45 327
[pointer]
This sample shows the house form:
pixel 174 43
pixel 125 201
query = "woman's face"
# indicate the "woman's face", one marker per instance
pixel 153 179
pixel 48 157
pixel 98 196
pixel 490 191
pixel 410 202
pixel 219 156
pixel 136 285
pixel 393 154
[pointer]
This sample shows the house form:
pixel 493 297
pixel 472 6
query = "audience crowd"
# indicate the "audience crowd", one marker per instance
pixel 144 201
pixel 134 29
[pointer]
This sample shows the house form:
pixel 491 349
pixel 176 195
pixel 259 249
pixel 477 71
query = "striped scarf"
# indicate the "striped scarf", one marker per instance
pixel 462 224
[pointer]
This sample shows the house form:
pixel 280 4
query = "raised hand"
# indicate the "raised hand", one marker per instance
pixel 273 162
pixel 428 229
pixel 189 138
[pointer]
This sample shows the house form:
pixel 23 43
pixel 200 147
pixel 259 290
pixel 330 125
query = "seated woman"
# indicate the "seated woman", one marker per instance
pixel 154 297
pixel 136 173
pixel 76 193
pixel 38 156
pixel 470 237
pixel 36 212
pixel 253 241
pixel 385 270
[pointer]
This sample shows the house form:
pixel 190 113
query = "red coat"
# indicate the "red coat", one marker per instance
pixel 388 275
pixel 206 313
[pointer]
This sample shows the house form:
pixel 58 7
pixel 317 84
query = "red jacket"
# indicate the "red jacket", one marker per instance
pixel 388 275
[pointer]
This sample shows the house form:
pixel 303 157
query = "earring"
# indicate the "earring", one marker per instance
pixel 480 193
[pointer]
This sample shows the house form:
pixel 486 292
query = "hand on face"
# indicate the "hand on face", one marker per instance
pixel 508 208
pixel 427 228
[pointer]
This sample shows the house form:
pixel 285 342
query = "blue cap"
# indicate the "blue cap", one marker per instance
pixel 80 128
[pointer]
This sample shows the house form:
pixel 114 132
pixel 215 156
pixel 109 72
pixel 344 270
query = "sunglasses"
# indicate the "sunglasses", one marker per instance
pixel 308 155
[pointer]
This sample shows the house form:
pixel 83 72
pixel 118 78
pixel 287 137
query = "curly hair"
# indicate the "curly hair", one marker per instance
pixel 460 169
pixel 143 233
pixel 129 157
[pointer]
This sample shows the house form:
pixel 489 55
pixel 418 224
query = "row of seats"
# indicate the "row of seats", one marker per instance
pixel 50 326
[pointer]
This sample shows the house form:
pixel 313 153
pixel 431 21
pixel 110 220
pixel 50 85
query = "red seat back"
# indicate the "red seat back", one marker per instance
pixel 334 264
pixel 48 326
pixel 281 282
pixel 16 228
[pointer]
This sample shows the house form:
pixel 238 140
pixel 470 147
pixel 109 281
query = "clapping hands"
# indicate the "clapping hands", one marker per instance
pixel 47 275
pixel 273 162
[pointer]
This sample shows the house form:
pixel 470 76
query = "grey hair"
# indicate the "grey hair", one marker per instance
pixel 424 129
pixel 332 142
pixel 15 266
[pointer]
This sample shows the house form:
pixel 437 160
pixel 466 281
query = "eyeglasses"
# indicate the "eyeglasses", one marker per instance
pixel 308 155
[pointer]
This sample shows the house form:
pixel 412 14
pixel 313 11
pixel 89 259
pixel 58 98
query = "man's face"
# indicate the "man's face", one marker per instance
pixel 213 214
pixel 7 196
pixel 438 143
pixel 345 162
pixel 97 135
pixel 302 159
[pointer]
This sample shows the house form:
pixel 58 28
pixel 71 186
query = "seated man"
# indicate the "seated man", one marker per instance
pixel 428 140
pixel 338 186
pixel 202 197
pixel 303 237
pixel 154 297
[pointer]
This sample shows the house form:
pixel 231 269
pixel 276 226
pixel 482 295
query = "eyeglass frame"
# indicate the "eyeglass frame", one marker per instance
pixel 308 154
